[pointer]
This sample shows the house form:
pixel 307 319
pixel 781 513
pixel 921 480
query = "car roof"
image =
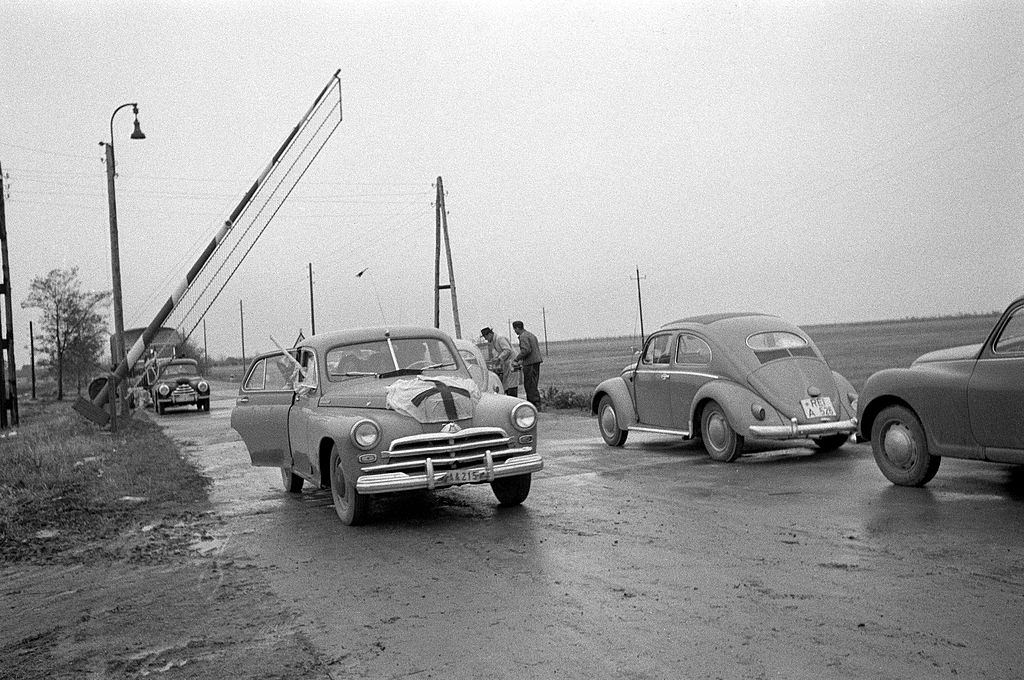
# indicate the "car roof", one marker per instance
pixel 324 341
pixel 708 320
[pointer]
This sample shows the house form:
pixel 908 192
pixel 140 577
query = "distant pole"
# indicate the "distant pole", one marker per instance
pixel 544 315
pixel 241 319
pixel 206 349
pixel 32 357
pixel 312 314
pixel 640 303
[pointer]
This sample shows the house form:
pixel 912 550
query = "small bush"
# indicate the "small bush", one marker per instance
pixel 564 399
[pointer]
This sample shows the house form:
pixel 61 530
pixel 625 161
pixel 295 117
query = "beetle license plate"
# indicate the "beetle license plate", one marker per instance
pixel 464 476
pixel 818 407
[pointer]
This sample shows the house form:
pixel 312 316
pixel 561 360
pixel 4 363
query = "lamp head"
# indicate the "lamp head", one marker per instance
pixel 137 132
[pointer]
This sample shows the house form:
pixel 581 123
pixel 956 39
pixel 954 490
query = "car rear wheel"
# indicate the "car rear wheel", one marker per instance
pixel 900 448
pixel 292 482
pixel 722 442
pixel 612 434
pixel 831 442
pixel 511 490
pixel 350 506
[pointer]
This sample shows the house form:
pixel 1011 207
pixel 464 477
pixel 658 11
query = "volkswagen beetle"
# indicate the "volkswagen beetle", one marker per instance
pixel 962 402
pixel 178 382
pixel 373 411
pixel 725 378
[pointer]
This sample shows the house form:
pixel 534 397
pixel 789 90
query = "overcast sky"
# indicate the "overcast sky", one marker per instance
pixel 824 161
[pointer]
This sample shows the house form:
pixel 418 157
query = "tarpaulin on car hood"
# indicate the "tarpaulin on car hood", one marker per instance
pixel 436 399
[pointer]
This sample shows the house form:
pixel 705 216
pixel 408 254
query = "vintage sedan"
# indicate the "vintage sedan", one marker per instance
pixel 724 378
pixel 178 382
pixel 374 411
pixel 962 402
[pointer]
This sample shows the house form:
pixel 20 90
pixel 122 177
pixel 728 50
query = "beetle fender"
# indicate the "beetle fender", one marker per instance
pixel 845 388
pixel 617 390
pixel 736 401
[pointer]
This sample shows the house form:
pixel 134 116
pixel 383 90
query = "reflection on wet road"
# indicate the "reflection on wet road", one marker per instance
pixel 647 561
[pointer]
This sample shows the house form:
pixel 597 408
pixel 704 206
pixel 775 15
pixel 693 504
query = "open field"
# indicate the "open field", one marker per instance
pixel 856 350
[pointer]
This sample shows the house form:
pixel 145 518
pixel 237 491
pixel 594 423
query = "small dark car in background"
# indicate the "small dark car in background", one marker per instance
pixel 177 382
pixel 962 402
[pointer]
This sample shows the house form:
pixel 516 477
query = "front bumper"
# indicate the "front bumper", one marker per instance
pixel 388 482
pixel 796 431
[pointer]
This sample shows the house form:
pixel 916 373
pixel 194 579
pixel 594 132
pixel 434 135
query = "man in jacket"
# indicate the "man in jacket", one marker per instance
pixel 530 359
pixel 499 360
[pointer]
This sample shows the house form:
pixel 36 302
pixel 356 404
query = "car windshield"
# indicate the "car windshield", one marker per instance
pixel 175 370
pixel 409 357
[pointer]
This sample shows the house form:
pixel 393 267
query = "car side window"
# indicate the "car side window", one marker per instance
pixel 692 350
pixel 309 375
pixel 658 350
pixel 1011 339
pixel 257 376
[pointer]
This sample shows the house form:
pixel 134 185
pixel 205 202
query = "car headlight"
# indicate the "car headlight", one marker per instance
pixel 365 434
pixel 203 386
pixel 164 390
pixel 524 416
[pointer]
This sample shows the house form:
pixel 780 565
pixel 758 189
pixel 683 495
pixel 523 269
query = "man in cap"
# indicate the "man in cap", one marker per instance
pixel 499 360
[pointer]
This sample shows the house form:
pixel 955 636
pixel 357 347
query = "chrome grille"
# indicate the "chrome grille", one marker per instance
pixel 446 451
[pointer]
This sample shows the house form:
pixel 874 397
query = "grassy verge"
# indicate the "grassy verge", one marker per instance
pixel 66 485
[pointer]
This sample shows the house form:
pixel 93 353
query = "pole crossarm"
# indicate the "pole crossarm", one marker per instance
pixel 192 298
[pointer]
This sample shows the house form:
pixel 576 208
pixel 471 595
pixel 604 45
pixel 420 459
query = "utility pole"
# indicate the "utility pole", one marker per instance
pixel 544 316
pixel 206 350
pixel 442 227
pixel 640 303
pixel 32 357
pixel 241 319
pixel 312 314
pixel 8 387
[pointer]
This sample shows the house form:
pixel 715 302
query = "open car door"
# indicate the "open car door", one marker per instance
pixel 261 409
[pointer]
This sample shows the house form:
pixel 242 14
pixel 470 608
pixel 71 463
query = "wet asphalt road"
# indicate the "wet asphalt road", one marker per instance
pixel 649 561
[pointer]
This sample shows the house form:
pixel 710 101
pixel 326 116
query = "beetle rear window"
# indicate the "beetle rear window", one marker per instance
pixel 773 345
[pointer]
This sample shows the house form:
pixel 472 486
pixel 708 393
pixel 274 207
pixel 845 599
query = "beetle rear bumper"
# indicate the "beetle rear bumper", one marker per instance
pixel 795 431
pixel 488 472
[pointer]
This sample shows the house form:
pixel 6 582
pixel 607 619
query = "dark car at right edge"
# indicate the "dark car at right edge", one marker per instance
pixel 962 402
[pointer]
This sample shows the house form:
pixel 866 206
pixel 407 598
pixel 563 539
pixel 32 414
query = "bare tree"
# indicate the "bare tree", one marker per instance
pixel 72 330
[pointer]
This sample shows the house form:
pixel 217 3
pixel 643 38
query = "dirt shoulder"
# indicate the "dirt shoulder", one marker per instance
pixel 156 598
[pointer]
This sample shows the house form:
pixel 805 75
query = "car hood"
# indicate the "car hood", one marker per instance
pixel 784 382
pixel 961 353
pixel 428 399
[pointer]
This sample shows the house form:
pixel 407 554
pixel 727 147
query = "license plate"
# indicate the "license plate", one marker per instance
pixel 818 407
pixel 181 398
pixel 464 476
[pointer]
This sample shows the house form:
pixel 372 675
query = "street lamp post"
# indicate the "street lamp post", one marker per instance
pixel 115 260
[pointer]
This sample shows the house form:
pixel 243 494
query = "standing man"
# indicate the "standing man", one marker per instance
pixel 499 360
pixel 530 358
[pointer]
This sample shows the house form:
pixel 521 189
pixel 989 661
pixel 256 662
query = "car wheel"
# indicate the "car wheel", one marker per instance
pixel 511 490
pixel 722 442
pixel 292 482
pixel 204 405
pixel 612 434
pixel 831 442
pixel 350 506
pixel 901 448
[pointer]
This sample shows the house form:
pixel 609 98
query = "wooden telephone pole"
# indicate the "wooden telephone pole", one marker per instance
pixel 8 383
pixel 442 227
